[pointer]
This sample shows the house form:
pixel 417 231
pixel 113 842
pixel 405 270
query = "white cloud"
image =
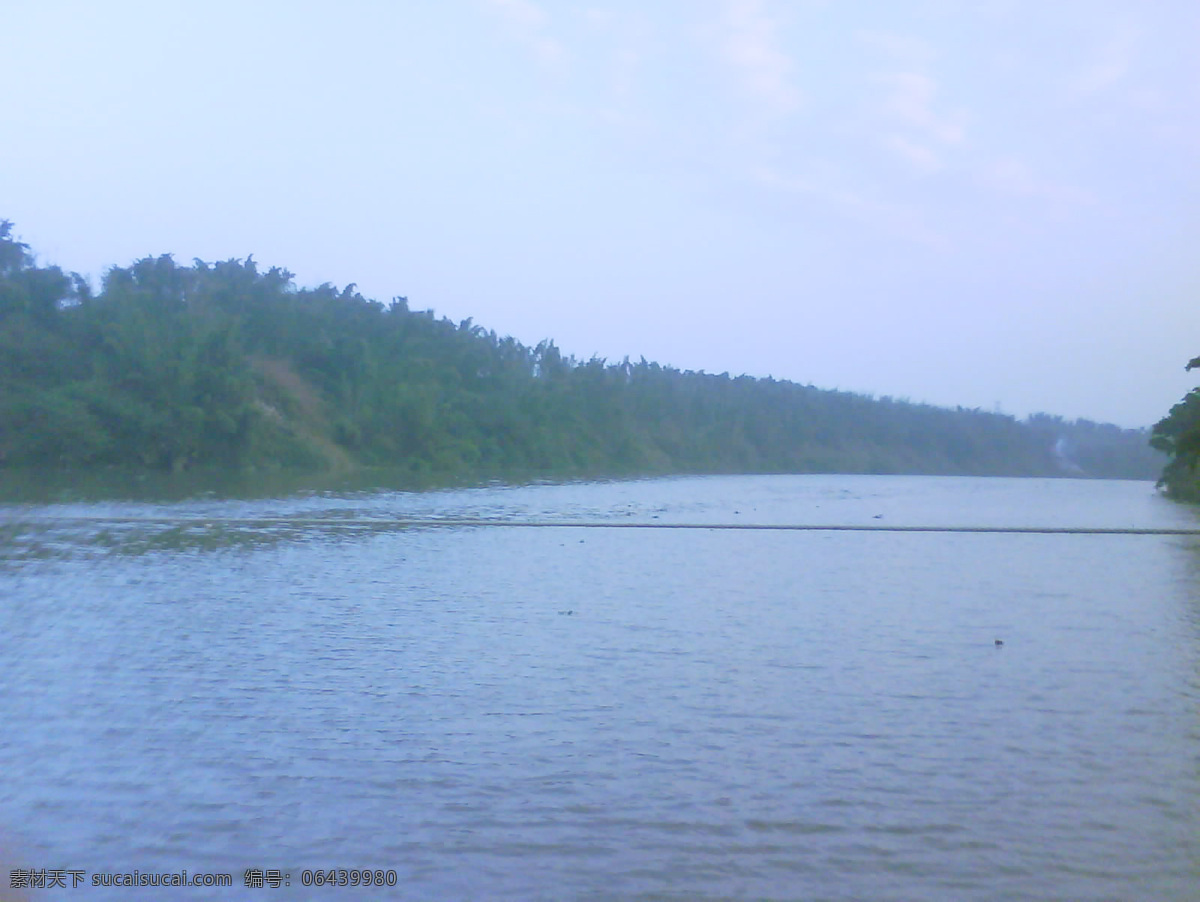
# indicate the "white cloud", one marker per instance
pixel 915 131
pixel 521 13
pixel 626 36
pixel 527 21
pixel 908 51
pixel 1109 63
pixel 911 103
pixel 918 155
pixel 751 46
pixel 893 219
pixel 1011 176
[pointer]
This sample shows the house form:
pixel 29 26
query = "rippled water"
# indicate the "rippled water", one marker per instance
pixel 504 712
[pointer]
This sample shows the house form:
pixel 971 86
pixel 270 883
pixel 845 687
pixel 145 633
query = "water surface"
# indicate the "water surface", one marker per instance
pixel 500 712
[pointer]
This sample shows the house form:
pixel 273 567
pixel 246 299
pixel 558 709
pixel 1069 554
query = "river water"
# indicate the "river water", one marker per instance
pixel 617 711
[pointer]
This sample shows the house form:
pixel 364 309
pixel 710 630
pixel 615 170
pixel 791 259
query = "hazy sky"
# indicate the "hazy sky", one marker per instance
pixel 991 203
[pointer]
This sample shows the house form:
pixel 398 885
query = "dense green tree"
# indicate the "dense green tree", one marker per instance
pixel 1178 435
pixel 222 364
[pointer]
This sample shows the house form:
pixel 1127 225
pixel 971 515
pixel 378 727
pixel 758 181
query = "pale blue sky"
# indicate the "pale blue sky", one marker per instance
pixel 990 203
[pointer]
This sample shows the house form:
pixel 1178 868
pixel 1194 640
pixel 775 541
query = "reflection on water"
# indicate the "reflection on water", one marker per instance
pixel 722 715
pixel 42 540
pixel 68 487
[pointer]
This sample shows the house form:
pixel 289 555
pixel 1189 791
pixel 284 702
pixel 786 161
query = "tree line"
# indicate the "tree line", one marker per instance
pixel 224 365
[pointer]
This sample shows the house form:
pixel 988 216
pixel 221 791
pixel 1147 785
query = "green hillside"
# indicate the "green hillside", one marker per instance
pixel 171 368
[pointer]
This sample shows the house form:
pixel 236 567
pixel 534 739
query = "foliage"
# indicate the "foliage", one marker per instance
pixel 1178 434
pixel 172 367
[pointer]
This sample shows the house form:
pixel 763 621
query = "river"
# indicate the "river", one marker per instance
pixel 547 692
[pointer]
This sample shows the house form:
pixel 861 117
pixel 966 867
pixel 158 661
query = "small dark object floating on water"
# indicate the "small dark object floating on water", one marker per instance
pixel 999 642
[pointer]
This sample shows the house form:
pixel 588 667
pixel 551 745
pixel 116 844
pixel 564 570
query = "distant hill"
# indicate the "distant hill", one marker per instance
pixel 172 367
